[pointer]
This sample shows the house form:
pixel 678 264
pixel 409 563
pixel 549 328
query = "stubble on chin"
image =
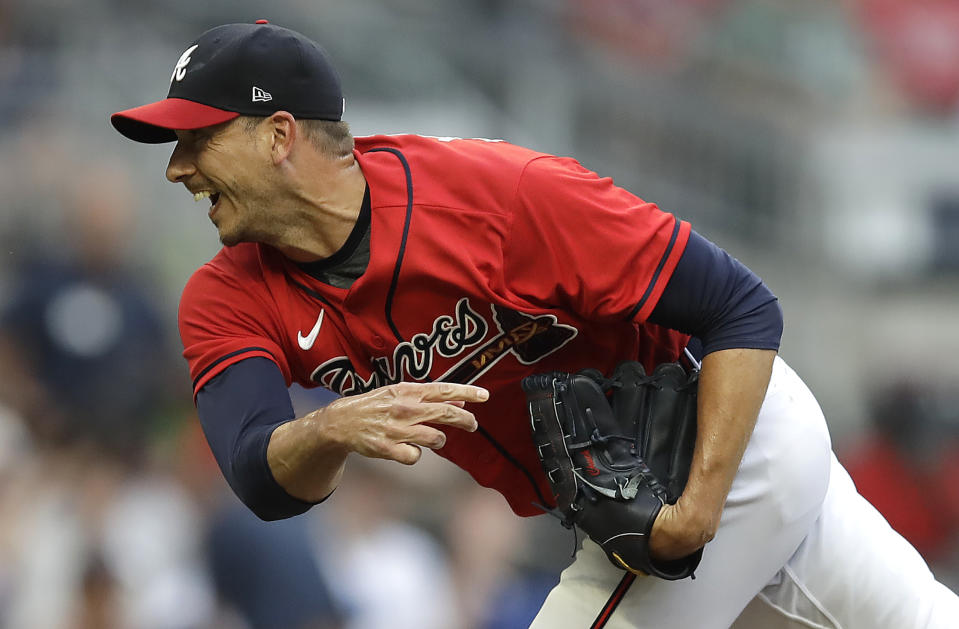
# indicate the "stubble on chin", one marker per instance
pixel 227 239
pixel 234 229
pixel 232 239
pixel 237 236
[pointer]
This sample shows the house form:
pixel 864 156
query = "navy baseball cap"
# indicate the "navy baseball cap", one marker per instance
pixel 239 69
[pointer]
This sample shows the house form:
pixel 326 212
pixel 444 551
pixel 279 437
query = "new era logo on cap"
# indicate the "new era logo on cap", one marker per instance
pixel 261 95
pixel 219 76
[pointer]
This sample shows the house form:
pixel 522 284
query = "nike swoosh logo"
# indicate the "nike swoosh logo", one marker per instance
pixel 306 342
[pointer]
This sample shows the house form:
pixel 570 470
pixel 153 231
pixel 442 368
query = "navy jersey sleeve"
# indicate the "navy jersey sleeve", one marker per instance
pixel 716 299
pixel 239 409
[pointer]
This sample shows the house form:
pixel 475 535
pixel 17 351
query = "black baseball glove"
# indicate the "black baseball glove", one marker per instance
pixel 615 451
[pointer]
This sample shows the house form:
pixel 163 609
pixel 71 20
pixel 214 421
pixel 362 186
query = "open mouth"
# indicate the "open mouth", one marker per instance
pixel 214 197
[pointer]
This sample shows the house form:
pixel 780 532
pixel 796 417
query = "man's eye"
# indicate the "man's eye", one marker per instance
pixel 196 139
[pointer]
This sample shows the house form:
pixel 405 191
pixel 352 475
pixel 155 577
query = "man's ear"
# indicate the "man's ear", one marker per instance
pixel 283 131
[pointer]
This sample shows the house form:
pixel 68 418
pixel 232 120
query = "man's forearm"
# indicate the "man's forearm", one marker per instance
pixel 731 390
pixel 732 386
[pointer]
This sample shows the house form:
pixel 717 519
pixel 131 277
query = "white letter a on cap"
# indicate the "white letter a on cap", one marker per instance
pixel 180 70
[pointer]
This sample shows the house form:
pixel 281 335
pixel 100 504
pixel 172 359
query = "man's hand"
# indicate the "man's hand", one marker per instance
pixel 307 455
pixel 395 421
pixel 678 531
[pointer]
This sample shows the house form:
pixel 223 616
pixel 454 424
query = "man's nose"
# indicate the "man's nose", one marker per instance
pixel 181 164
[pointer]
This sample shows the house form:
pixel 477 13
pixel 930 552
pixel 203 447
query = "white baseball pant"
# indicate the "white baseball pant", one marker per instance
pixel 797 548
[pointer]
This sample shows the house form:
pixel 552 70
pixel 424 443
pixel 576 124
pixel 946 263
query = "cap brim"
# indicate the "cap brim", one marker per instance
pixel 155 123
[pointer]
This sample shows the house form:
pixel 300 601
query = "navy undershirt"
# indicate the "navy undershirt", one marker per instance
pixel 346 265
pixel 238 409
pixel 710 295
pixel 721 303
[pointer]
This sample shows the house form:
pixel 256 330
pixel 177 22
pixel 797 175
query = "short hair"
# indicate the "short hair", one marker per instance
pixel 331 137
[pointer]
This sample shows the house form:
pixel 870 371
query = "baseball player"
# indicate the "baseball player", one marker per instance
pixel 423 278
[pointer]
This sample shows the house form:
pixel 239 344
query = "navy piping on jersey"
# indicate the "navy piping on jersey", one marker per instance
pixel 719 301
pixel 406 232
pixel 219 360
pixel 658 271
pixel 399 337
pixel 509 457
pixel 309 291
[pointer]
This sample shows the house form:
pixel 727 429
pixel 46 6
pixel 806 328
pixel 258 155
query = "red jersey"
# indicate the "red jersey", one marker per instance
pixel 488 262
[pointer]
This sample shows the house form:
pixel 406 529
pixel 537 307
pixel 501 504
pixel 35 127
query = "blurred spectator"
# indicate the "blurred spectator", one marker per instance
pixel 267 575
pixel 907 467
pixel 96 535
pixel 916 44
pixel 268 570
pixel 85 545
pixel 98 528
pixel 387 571
pixel 28 63
pixel 655 33
pixel 499 585
pixel 82 337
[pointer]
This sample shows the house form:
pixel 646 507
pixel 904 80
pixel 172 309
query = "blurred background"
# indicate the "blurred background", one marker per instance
pixel 817 141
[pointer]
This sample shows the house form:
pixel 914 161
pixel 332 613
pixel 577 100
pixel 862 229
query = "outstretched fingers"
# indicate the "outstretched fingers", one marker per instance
pixel 441 391
pixel 437 403
pixel 404 453
pixel 396 421
pixel 448 415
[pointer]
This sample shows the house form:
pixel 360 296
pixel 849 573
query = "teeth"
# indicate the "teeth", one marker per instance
pixel 199 196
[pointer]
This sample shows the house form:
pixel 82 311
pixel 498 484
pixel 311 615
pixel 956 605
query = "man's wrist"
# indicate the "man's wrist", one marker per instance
pixel 701 510
pixel 304 458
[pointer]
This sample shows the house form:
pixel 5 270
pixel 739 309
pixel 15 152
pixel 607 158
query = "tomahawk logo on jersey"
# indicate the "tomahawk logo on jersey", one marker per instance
pixel 490 319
